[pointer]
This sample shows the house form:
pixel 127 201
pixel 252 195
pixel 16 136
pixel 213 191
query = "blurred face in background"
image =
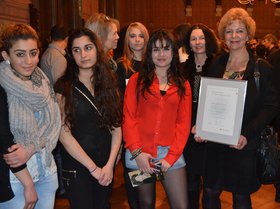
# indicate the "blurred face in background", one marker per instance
pixel 136 39
pixel 197 42
pixel 112 38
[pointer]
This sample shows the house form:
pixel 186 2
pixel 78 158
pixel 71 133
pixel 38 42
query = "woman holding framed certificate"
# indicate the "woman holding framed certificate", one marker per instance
pixel 233 168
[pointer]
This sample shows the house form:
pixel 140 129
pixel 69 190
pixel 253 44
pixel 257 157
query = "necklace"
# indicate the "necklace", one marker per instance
pixel 198 67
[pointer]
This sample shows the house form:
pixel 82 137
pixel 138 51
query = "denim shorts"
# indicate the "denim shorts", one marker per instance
pixel 161 153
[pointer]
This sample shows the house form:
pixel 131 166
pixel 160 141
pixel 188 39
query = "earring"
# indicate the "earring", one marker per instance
pixel 8 62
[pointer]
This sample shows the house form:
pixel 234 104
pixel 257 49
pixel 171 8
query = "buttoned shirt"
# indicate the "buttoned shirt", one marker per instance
pixel 157 120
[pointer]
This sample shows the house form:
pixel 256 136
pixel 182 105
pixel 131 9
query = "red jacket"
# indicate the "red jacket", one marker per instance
pixel 157 120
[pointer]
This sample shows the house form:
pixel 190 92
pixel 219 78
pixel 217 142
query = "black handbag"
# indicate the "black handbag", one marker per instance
pixel 268 157
pixel 268 153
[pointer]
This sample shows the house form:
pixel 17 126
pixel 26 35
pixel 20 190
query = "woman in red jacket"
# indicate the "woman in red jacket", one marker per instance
pixel 157 117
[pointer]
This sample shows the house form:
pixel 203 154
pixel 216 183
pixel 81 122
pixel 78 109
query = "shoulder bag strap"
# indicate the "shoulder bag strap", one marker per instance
pixel 257 74
pixel 99 113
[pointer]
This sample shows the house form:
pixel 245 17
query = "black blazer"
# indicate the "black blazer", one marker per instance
pixel 6 140
pixel 260 107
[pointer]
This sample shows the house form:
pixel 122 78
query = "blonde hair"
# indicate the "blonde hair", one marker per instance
pixel 237 14
pixel 100 24
pixel 128 54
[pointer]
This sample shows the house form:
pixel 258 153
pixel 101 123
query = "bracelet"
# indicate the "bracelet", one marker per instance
pixel 92 171
pixel 135 153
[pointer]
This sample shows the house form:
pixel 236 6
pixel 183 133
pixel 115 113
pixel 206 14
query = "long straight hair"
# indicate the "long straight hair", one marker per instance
pixel 103 80
pixel 128 54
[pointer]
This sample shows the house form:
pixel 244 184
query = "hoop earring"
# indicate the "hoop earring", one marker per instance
pixel 8 62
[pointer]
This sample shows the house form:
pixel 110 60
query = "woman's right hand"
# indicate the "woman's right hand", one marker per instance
pixel 143 162
pixel 30 196
pixel 197 138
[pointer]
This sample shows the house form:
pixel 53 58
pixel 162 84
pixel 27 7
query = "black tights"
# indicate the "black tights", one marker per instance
pixel 194 187
pixel 211 200
pixel 175 186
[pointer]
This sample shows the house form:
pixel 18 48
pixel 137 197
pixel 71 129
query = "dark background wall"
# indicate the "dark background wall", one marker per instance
pixel 43 14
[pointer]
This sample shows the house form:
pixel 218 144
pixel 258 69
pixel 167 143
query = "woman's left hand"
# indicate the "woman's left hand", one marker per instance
pixel 242 142
pixel 106 176
pixel 164 165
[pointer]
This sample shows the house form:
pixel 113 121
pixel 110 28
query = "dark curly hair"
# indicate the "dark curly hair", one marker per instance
pixel 103 80
pixel 174 73
pixel 211 40
pixel 13 32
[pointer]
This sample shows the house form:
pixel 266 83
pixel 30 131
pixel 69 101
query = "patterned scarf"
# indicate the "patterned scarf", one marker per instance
pixel 27 99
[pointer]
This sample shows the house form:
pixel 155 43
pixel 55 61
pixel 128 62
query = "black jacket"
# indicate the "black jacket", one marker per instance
pixel 260 107
pixel 6 140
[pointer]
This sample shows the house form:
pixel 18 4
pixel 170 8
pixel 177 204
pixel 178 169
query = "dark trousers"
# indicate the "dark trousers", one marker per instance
pixel 84 191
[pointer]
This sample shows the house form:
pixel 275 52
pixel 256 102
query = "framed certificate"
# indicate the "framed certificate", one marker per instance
pixel 220 110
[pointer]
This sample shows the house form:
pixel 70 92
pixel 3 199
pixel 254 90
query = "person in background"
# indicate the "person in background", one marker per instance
pixel 34 119
pixel 274 60
pixel 135 44
pixel 157 118
pixel 91 117
pixel 53 61
pixel 260 51
pixel 106 29
pixel 179 33
pixel 233 168
pixel 252 44
pixel 271 44
pixel 118 52
pixel 201 45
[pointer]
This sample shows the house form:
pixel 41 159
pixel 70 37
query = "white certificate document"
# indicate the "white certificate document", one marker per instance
pixel 220 110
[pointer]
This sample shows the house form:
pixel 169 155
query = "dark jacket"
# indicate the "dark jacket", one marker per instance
pixel 6 140
pixel 260 107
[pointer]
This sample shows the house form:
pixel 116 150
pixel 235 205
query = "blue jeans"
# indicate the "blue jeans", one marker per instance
pixel 161 153
pixel 45 187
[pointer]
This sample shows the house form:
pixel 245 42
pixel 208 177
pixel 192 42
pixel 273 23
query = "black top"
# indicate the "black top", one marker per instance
pixel 95 141
pixel 194 152
pixel 122 74
pixel 6 140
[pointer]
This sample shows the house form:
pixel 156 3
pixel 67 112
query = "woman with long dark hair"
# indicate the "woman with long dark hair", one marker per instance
pixel 157 116
pixel 91 112
pixel 202 45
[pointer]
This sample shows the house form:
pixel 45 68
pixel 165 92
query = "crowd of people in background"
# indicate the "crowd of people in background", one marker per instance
pixel 82 111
